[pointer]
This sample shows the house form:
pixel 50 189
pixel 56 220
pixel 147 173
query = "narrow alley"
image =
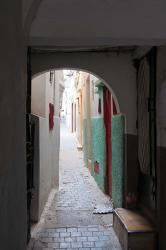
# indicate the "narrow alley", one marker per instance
pixel 68 220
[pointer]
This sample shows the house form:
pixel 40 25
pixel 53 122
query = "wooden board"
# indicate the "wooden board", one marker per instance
pixel 134 231
pixel 134 221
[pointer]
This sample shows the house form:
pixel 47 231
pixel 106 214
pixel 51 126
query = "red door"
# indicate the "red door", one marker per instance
pixel 107 122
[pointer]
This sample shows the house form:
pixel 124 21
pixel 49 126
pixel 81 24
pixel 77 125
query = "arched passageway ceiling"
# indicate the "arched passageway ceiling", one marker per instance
pixel 99 23
pixel 116 70
pixel 29 11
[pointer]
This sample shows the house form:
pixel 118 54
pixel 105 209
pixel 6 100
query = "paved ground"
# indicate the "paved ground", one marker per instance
pixel 68 221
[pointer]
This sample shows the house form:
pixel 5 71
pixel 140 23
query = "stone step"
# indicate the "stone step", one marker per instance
pixel 134 231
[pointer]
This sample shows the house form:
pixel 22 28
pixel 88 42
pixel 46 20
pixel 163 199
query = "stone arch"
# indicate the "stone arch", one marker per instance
pixel 115 70
pixel 92 73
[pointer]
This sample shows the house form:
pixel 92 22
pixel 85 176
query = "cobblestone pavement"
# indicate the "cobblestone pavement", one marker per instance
pixel 68 221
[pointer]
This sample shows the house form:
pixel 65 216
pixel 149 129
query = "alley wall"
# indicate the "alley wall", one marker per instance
pixel 13 210
pixel 45 91
pixel 161 143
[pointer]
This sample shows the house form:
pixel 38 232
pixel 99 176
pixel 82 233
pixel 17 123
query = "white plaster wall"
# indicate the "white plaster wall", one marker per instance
pixel 59 88
pixel 46 163
pixel 50 88
pixel 78 120
pixel 38 97
pixel 13 212
pixel 56 96
pixel 45 171
pixel 54 148
pixel 79 82
pixel 116 70
pixel 94 96
pixel 47 142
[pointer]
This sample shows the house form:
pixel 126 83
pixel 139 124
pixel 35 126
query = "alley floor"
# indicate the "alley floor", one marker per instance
pixel 68 221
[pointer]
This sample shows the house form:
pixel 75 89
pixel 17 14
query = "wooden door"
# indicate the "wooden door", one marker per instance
pixel 146 82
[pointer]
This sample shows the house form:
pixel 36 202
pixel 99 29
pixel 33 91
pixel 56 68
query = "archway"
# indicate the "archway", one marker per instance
pixel 100 79
pixel 94 129
pixel 115 68
pixel 104 135
pixel 117 72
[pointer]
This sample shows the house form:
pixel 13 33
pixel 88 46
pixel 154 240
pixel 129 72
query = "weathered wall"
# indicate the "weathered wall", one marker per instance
pixel 161 144
pixel 35 198
pixel 38 97
pixel 55 145
pixel 84 132
pixel 46 154
pixel 80 102
pixel 59 81
pixel 94 98
pixel 46 163
pixel 13 213
pixel 86 116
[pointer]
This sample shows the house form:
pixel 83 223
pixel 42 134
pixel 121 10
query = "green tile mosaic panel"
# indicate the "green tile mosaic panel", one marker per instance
pixel 117 159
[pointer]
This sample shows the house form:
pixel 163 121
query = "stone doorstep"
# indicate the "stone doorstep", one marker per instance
pixel 134 230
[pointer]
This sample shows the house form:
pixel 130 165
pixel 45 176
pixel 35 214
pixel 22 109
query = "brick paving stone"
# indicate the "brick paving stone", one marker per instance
pixel 107 233
pixel 85 248
pixel 80 239
pixel 78 192
pixel 70 239
pixel 70 249
pixel 93 238
pixel 97 248
pixel 82 229
pixel 75 234
pixel 46 248
pixel 67 234
pixel 61 230
pixel 102 238
pixel 76 244
pixel 88 244
pixel 97 233
pixel 54 245
pixel 60 239
pixel 87 234
pixel 65 245
pixel 72 229
pixel 101 244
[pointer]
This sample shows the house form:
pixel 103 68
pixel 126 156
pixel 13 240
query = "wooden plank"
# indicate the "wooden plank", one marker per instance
pixel 133 230
pixel 133 221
